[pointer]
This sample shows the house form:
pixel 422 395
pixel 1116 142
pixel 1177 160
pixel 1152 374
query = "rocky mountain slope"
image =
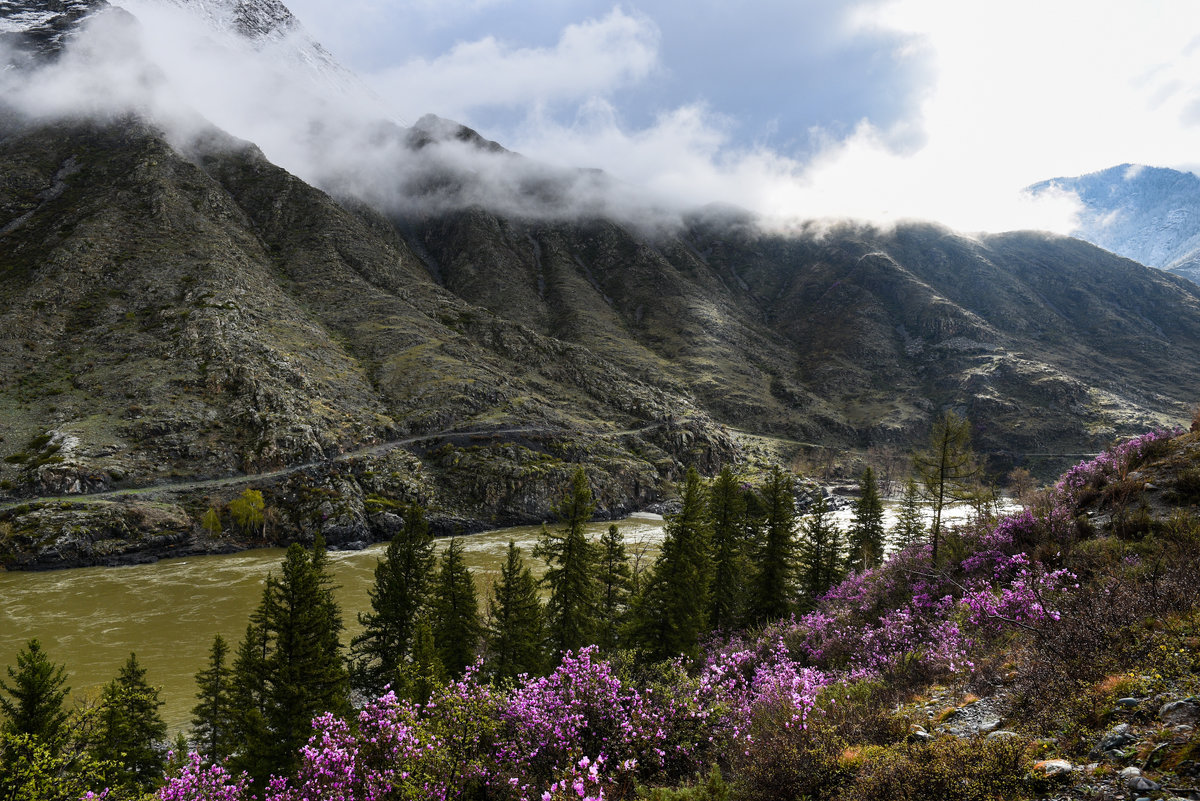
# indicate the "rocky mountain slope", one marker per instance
pixel 1148 214
pixel 177 316
pixel 183 320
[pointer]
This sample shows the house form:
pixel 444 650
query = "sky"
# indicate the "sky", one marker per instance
pixel 930 109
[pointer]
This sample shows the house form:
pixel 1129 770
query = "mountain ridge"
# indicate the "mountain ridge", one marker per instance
pixel 1148 214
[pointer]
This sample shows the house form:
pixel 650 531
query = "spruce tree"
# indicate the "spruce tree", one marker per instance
pixel 910 525
pixel 727 512
pixel 400 591
pixel 289 669
pixel 213 717
pixel 773 584
pixel 456 626
pixel 248 702
pixel 305 673
pixel 424 674
pixel 821 563
pixel 672 610
pixel 516 631
pixel 34 705
pixel 616 587
pixel 866 528
pixel 571 571
pixel 131 732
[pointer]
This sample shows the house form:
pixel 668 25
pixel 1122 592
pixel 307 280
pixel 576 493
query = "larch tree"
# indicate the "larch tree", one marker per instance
pixel 947 469
pixel 400 592
pixel 570 570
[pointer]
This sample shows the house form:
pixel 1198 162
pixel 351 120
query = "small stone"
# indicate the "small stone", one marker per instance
pixel 1142 785
pixel 1128 703
pixel 1114 740
pixel 1050 768
pixel 1002 734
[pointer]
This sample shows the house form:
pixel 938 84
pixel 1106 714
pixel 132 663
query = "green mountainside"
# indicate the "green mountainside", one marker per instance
pixel 181 326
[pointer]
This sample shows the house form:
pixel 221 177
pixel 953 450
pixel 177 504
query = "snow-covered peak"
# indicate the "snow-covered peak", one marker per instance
pixel 40 28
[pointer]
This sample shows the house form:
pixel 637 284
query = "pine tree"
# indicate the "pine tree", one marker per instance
pixel 727 511
pixel 571 571
pixel 947 469
pixel 820 550
pixel 36 695
pixel 616 587
pixel 773 583
pixel 131 730
pixel 400 591
pixel 516 630
pixel 866 528
pixel 213 717
pixel 456 626
pixel 672 610
pixel 910 525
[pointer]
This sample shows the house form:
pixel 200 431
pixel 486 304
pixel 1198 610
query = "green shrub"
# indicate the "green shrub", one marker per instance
pixel 790 761
pixel 1187 487
pixel 948 769
pixel 712 788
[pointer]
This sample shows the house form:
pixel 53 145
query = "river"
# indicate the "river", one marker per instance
pixel 168 612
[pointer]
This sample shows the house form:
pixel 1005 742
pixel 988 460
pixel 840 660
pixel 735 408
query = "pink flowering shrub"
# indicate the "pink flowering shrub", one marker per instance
pixel 200 782
pixel 1112 465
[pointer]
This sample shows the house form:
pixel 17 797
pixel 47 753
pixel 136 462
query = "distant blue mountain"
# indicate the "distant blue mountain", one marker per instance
pixel 1148 214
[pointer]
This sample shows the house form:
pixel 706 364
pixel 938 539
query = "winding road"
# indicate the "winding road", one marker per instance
pixel 172 487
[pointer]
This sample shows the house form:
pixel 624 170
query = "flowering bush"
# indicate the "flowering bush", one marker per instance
pixel 1113 464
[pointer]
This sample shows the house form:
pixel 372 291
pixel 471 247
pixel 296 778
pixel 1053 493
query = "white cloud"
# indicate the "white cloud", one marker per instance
pixel 1025 91
pixel 590 58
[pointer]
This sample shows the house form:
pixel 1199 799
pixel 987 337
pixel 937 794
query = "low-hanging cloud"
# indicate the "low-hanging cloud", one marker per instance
pixel 979 135
pixel 322 123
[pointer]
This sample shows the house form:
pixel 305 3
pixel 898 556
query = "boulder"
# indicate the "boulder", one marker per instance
pixel 1176 712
